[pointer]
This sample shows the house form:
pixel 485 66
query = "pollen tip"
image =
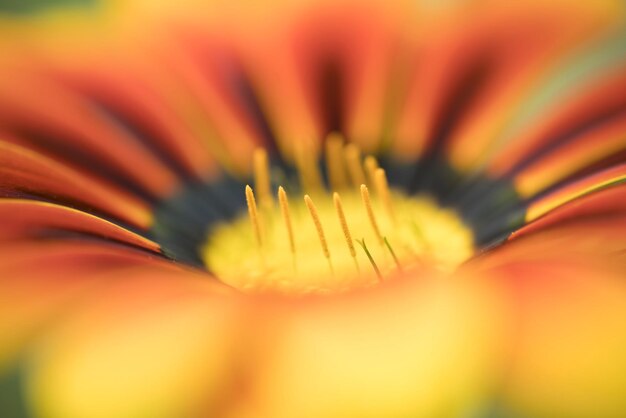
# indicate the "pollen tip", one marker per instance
pixel 365 197
pixel 344 226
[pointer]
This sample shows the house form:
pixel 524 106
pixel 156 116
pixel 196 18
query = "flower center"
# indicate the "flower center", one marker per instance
pixel 360 234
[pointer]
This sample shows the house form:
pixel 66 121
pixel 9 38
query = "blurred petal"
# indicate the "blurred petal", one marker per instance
pixel 570 340
pixel 584 150
pixel 586 185
pixel 141 98
pixel 147 343
pixel 55 120
pixel 25 171
pixel 24 218
pixel 586 102
pixel 39 280
pixel 603 211
pixel 567 299
pixel 411 347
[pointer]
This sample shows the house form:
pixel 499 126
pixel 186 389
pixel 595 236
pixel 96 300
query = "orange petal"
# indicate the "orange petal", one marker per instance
pixel 56 120
pixel 26 218
pixel 136 94
pixel 25 171
pixel 603 207
pixel 582 151
pixel 145 342
pixel 598 99
pixel 582 187
pixel 566 353
pixel 40 279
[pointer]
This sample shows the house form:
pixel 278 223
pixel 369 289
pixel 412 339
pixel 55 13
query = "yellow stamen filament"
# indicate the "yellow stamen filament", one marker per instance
pixel 334 162
pixel 256 224
pixel 262 177
pixel 344 228
pixel 284 209
pixel 320 231
pixel 367 202
pixel 306 163
pixel 382 188
pixel 353 161
pixel 371 165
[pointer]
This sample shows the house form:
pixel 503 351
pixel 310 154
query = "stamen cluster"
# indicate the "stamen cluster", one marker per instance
pixel 273 248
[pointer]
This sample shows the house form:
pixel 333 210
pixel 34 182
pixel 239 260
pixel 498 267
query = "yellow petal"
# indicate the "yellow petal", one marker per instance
pixel 415 347
pixel 149 345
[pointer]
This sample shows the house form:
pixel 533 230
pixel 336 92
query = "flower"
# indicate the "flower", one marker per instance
pixel 313 209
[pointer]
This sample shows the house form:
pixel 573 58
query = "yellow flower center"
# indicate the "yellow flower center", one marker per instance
pixel 327 242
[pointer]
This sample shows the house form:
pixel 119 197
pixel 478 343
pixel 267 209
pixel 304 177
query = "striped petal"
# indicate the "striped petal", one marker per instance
pixel 27 173
pixel 55 120
pixel 32 219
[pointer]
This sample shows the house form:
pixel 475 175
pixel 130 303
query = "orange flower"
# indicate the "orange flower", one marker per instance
pixel 312 209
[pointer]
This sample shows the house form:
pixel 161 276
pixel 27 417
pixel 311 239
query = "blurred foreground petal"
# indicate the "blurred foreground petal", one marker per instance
pixel 567 298
pixel 412 347
pixel 148 343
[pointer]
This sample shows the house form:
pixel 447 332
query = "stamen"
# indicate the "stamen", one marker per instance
pixel 382 188
pixel 369 256
pixel 310 177
pixel 393 255
pixel 284 208
pixel 353 161
pixel 365 196
pixel 320 231
pixel 262 177
pixel 334 162
pixel 345 229
pixel 254 219
pixel 371 165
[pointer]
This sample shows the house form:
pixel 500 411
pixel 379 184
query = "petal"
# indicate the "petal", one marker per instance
pixel 39 280
pixel 25 218
pixel 53 119
pixel 25 171
pixel 514 53
pixel 566 354
pixel 147 343
pixel 580 103
pixel 581 152
pixel 141 98
pixel 586 185
pixel 571 341
pixel 567 301
pixel 602 211
pixel 411 347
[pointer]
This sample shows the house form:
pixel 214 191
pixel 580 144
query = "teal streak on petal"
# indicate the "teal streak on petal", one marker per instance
pixel 584 67
pixel 26 7
pixel 12 402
